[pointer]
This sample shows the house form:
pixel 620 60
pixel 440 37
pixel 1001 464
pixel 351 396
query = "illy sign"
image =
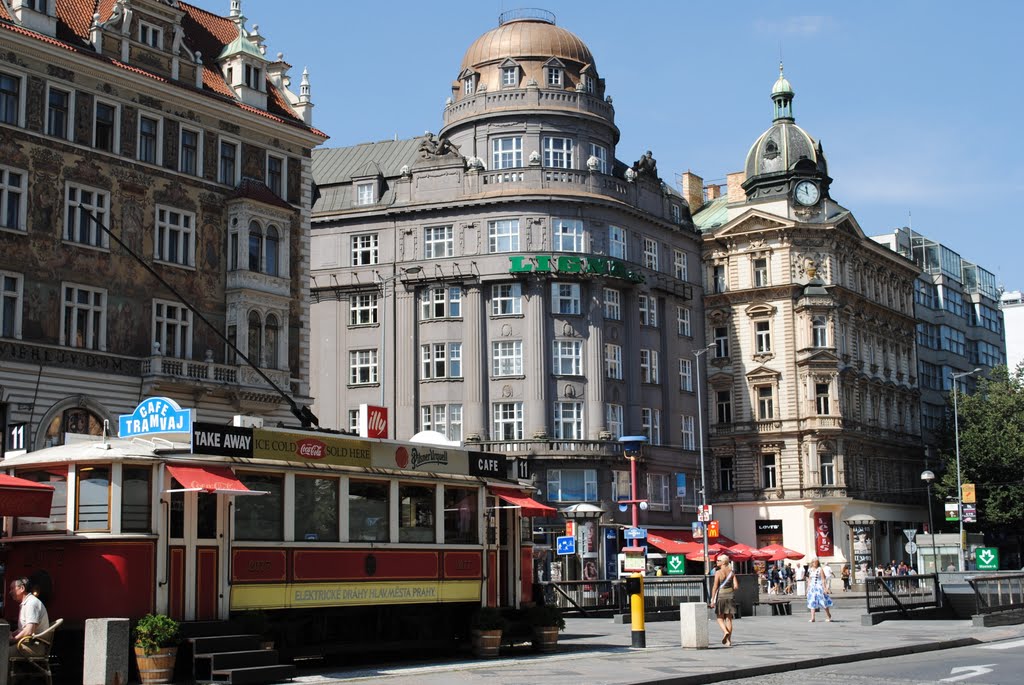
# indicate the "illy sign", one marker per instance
pixel 373 421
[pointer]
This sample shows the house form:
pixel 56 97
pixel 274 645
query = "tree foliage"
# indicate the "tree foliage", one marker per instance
pixel 991 424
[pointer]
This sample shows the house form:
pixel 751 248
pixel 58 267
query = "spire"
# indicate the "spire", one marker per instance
pixel 782 96
pixel 304 86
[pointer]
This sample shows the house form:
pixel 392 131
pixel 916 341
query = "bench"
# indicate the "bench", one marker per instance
pixel 777 607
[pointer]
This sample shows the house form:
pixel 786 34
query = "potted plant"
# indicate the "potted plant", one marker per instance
pixel 545 621
pixel 156 647
pixel 487 626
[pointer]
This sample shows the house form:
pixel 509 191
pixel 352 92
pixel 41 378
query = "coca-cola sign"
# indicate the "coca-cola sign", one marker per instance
pixel 373 421
pixel 310 448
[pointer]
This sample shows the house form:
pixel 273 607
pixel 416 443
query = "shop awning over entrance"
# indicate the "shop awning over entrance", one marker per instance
pixel 527 506
pixel 683 541
pixel 212 479
pixel 20 497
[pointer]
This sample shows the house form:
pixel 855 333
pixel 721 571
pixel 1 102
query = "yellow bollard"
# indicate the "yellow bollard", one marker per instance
pixel 635 588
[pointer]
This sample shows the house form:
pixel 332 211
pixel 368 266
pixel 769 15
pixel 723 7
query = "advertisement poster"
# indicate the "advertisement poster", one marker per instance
pixel 823 544
pixel 863 565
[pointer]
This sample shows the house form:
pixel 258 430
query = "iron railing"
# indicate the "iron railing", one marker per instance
pixel 588 596
pixel 902 593
pixel 1002 592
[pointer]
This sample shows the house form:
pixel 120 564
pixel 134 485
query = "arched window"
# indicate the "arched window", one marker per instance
pixel 273 330
pixel 255 245
pixel 75 420
pixel 255 339
pixel 272 248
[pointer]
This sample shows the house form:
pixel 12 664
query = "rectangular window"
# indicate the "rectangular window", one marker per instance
pixel 228 169
pixel 617 242
pixel 683 321
pixel 445 419
pixel 503 235
pixel 416 511
pixel 362 309
pixel 362 367
pixel 765 403
pixel 11 294
pixel 253 77
pixel 762 337
pixel 150 35
pixel 649 366
pixel 441 303
pixel 650 424
pixel 260 518
pixel 565 298
pixel 612 305
pixel 275 175
pixel 461 516
pixel 819 331
pixel 57 521
pixel 105 126
pixel 725 474
pixel 572 485
pixel 506 299
pixel 136 497
pixel 93 498
pixel 364 249
pixel 189 152
pixel 10 99
pixel 58 113
pixel 365 194
pixel 468 85
pixel 721 342
pixel 149 138
pixel 925 294
pixel 953 340
pixel 508 421
pixel 952 300
pixel 600 153
pixel 507 358
pixel 621 485
pixel 821 398
pixel 369 505
pixel 175 238
pixel 441 360
pixel 686 375
pixel 353 421
pixel 680 265
pixel 567 235
pixel 316 509
pixel 509 77
pixel 438 242
pixel 568 358
pixel 507 153
pixel 648 310
pixel 79 227
pixel 558 153
pixel 723 400
pixel 718 278
pixel 554 76
pixel 689 435
pixel 760 273
pixel 826 462
pixel 677 213
pixel 569 420
pixel 614 419
pixel 84 317
pixel 172 329
pixel 651 254
pixel 613 361
pixel 658 491
pixel 13 198
pixel 769 478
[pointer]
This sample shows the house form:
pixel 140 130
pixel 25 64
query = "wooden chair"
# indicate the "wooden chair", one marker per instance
pixel 30 657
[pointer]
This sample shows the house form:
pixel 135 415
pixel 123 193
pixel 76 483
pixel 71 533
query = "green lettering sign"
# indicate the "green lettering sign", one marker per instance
pixel 573 264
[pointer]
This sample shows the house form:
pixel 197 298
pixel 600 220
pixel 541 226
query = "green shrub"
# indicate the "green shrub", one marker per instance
pixel 154 631
pixel 545 615
pixel 488 618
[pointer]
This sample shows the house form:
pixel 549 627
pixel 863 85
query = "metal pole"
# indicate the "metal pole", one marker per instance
pixel 632 496
pixel 931 527
pixel 703 483
pixel 959 487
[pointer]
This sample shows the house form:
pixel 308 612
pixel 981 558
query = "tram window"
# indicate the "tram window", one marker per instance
pixel 206 515
pixel 461 511
pixel 368 511
pixel 177 516
pixel 93 498
pixel 136 496
pixel 316 509
pixel 57 522
pixel 416 513
pixel 260 517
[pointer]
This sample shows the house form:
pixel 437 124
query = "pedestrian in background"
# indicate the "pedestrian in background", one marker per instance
pixel 845 574
pixel 817 592
pixel 828 577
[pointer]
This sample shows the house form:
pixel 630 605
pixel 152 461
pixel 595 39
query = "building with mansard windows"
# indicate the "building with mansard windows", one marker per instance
pixel 510 283
pixel 813 396
pixel 170 126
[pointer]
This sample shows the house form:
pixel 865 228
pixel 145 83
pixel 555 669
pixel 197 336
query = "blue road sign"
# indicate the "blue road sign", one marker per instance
pixel 635 533
pixel 566 544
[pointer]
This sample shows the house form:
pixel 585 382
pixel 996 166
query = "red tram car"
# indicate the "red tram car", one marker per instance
pixel 337 541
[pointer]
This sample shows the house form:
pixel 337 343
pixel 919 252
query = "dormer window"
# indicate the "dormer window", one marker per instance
pixel 151 35
pixel 468 85
pixel 253 77
pixel 36 15
pixel 509 77
pixel 365 193
pixel 588 84
pixel 555 76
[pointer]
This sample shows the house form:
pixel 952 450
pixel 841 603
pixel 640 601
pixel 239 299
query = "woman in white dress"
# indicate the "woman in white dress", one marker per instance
pixel 818 593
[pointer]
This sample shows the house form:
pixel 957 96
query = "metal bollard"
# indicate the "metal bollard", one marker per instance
pixel 635 588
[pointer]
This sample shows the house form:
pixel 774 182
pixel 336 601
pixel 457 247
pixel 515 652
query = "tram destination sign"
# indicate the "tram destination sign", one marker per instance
pixel 221 441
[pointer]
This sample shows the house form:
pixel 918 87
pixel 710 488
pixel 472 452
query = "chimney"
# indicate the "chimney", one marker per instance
pixel 693 191
pixel 712 191
pixel 734 183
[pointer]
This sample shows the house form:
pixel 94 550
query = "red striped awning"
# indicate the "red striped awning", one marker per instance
pixel 211 479
pixel 527 506
pixel 20 497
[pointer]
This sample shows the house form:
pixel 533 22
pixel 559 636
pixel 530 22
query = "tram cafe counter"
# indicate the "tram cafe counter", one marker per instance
pixel 342 450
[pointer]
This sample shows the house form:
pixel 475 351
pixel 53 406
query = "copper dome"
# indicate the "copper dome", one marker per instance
pixel 523 38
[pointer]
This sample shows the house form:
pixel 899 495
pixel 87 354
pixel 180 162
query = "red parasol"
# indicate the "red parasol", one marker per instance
pixel 750 552
pixel 713 551
pixel 21 497
pixel 778 553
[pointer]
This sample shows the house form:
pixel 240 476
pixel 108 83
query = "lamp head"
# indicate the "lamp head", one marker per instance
pixel 927 477
pixel 412 269
pixel 632 444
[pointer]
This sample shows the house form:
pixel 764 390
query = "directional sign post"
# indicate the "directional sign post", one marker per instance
pixel 676 564
pixel 566 544
pixel 986 558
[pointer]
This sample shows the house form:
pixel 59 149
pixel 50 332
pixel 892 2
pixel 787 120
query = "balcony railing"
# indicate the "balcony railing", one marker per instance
pixel 209 372
pixel 550 446
pixel 489 101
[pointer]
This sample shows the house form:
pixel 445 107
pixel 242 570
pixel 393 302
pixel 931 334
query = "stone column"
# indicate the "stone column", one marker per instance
pixel 475 362
pixel 594 393
pixel 537 355
pixel 404 349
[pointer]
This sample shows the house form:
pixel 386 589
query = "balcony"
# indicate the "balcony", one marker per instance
pixel 534 178
pixel 532 98
pixel 165 371
pixel 550 447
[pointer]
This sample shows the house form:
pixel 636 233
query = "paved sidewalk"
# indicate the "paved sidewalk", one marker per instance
pixel 597 651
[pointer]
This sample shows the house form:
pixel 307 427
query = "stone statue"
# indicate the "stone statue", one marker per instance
pixel 434 147
pixel 647 166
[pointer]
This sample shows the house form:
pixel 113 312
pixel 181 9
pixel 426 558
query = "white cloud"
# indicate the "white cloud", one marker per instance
pixel 793 26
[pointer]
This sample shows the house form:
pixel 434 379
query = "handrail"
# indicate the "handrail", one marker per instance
pixel 902 593
pixel 997 592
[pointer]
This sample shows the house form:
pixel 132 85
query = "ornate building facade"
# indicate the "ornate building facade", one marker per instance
pixel 168 125
pixel 813 396
pixel 510 283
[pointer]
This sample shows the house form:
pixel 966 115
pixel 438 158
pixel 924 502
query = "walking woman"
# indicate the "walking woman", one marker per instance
pixel 818 592
pixel 723 597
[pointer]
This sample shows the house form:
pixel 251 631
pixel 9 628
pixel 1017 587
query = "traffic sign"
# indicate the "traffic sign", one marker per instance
pixel 704 512
pixel 635 533
pixel 565 545
pixel 986 558
pixel 970 514
pixel 911 547
pixel 910 533
pixel 676 564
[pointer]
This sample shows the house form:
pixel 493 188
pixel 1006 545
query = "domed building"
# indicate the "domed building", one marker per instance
pixel 813 396
pixel 510 284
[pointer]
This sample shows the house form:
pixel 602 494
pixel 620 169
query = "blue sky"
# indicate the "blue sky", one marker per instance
pixel 918 104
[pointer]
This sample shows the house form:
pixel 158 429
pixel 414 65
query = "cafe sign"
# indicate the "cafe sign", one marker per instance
pixel 573 264
pixel 155 416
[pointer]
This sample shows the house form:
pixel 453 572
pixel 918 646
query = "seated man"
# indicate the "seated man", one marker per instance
pixel 32 618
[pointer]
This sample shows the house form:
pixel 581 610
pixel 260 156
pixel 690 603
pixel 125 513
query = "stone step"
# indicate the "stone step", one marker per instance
pixel 224 643
pixel 220 661
pixel 254 675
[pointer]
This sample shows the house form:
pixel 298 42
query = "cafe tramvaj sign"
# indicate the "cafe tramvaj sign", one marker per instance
pixel 573 264
pixel 156 416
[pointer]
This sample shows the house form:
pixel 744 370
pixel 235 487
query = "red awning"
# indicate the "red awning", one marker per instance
pixel 219 479
pixel 527 506
pixel 20 497
pixel 671 546
pixel 685 536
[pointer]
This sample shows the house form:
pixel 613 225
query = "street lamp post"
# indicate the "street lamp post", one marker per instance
pixel 382 362
pixel 959 485
pixel 631 446
pixel 928 477
pixel 703 484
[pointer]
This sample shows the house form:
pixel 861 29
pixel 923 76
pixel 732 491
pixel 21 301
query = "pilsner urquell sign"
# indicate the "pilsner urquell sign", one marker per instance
pixel 573 264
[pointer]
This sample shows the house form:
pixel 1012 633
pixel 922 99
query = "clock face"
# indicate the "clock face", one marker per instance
pixel 806 193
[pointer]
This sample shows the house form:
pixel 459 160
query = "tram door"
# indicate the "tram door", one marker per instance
pixel 502 554
pixel 195 554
